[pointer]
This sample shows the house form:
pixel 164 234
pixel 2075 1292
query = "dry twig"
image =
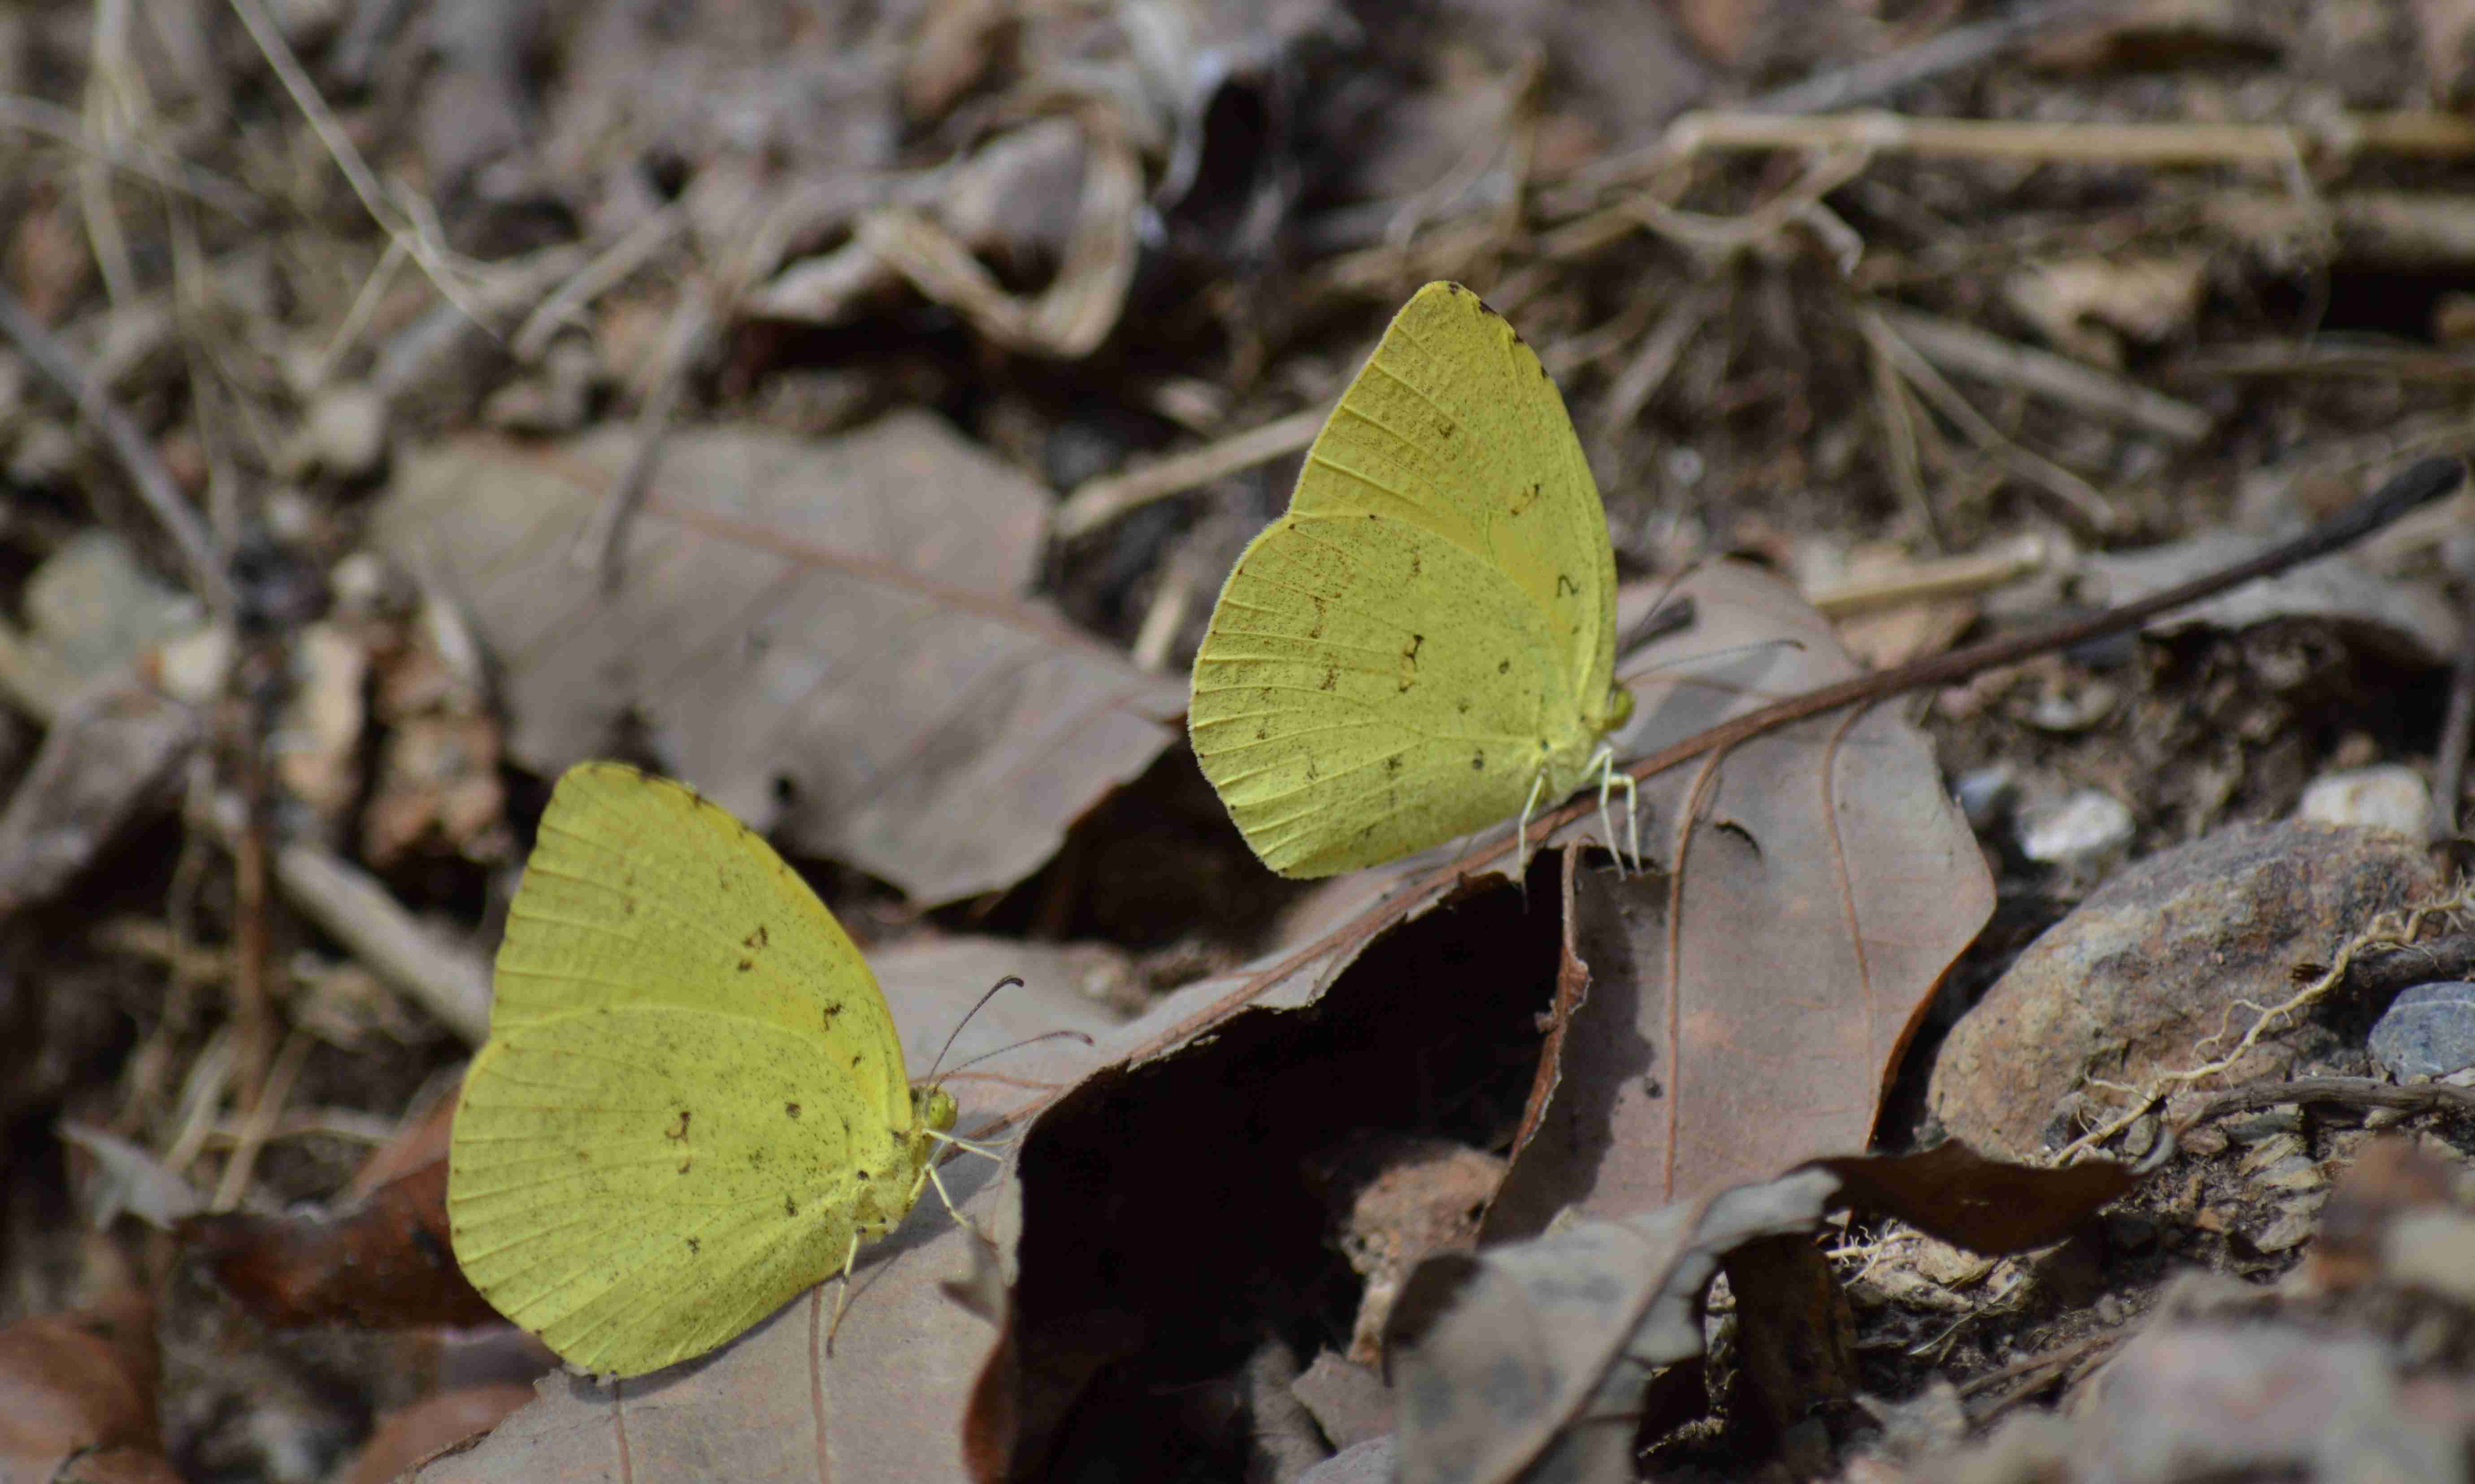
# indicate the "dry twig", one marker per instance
pixel 154 483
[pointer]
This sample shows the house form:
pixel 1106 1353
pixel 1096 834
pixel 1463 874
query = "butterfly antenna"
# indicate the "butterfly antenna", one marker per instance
pixel 1045 1036
pixel 1663 619
pixel 1728 653
pixel 1009 980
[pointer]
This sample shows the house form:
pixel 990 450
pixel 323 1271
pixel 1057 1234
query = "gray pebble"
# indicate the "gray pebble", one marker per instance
pixel 2429 1031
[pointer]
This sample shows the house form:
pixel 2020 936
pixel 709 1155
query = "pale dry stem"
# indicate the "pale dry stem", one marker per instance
pixel 2387 930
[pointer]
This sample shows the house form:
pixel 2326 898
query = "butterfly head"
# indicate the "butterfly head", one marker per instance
pixel 932 1107
pixel 1619 709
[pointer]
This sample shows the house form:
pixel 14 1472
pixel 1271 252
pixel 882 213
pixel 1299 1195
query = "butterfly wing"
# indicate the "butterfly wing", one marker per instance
pixel 611 1193
pixel 693 1094
pixel 641 891
pixel 1430 628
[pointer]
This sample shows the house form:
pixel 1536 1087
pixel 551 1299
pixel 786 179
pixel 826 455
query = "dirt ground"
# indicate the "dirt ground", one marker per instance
pixel 856 409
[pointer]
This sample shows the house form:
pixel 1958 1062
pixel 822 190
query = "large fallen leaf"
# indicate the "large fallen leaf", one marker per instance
pixel 884 1401
pixel 78 1395
pixel 1530 1360
pixel 1742 1007
pixel 829 640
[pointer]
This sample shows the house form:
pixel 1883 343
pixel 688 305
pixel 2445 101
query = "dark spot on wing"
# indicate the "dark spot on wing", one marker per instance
pixel 681 1131
pixel 1330 677
pixel 754 940
pixel 1410 660
pixel 790 1208
pixel 1504 667
pixel 1392 766
pixel 694 1247
pixel 1478 762
pixel 744 964
pixel 790 1109
pixel 1564 585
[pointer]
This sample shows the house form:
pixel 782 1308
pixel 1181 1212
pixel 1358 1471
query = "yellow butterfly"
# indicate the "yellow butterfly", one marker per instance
pixel 1423 645
pixel 692 1106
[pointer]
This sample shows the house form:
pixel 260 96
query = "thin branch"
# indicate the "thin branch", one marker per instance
pixel 154 483
pixel 433 258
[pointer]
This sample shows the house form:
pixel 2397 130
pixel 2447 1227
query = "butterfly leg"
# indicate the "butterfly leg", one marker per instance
pixel 1521 832
pixel 841 1295
pixel 1603 763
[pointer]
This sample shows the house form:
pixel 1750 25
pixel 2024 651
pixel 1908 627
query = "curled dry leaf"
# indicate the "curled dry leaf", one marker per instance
pixel 1399 1199
pixel 2408 620
pixel 837 625
pixel 407 1435
pixel 108 758
pixel 1530 1360
pixel 385 1265
pixel 80 1388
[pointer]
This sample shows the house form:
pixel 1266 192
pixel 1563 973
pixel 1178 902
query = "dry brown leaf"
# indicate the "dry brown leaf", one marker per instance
pixel 843 622
pixel 886 1402
pixel 108 759
pixel 2399 617
pixel 1530 1360
pixel 80 1387
pixel 1748 1000
pixel 381 1266
pixel 409 1434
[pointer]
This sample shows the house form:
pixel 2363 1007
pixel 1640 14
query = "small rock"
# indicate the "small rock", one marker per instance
pixel 2428 1031
pixel 2290 1231
pixel 2389 797
pixel 2073 709
pixel 45 455
pixel 2160 959
pixel 344 437
pixel 2083 827
pixel 2225 1401
pixel 1987 796
pixel 93 607
pixel 2432 1250
pixel 195 666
